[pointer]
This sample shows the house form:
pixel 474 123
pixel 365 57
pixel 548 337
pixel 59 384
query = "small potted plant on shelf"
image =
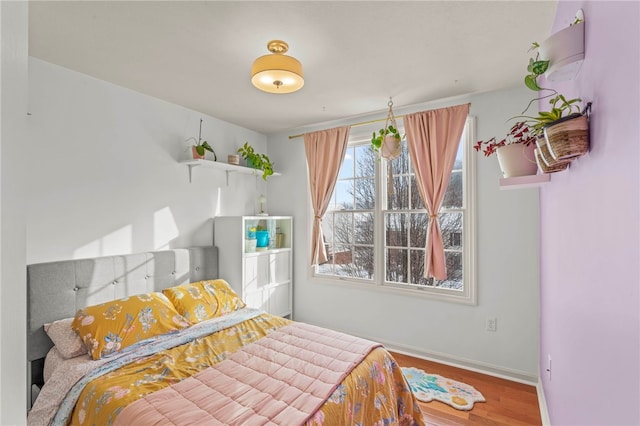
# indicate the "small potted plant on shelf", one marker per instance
pixel 256 161
pixel 515 151
pixel 200 147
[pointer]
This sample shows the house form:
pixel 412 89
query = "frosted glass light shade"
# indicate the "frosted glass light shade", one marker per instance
pixel 277 73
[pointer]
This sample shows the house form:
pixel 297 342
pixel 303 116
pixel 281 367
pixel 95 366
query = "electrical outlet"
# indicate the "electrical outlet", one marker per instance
pixel 549 367
pixel 492 324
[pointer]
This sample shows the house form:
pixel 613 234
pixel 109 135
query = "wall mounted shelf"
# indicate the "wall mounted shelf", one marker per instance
pixel 565 50
pixel 226 167
pixel 524 181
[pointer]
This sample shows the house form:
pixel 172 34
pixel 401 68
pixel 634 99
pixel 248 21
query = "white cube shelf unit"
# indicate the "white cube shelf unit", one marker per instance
pixel 263 278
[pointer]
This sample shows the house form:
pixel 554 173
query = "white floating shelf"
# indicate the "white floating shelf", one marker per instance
pixel 565 50
pixel 226 167
pixel 524 181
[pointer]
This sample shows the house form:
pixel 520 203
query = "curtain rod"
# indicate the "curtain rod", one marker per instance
pixel 364 123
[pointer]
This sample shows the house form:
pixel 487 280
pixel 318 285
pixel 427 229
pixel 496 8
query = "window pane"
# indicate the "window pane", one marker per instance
pixel 398 198
pixel 402 164
pixel 416 199
pixel 365 194
pixel 417 268
pixel 341 256
pixel 363 262
pixel 419 222
pixel 453 196
pixel 451 227
pixel 397 265
pixel 325 268
pixel 454 272
pixel 365 161
pixel 364 228
pixel 397 229
pixel 347 169
pixel 344 195
pixel 343 228
pixel 327 228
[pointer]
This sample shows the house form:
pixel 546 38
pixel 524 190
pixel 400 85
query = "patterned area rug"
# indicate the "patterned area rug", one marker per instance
pixel 427 387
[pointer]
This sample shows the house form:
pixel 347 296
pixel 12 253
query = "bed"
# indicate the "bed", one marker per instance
pixel 239 366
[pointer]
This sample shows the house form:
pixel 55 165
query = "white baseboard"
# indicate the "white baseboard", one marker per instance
pixel 542 402
pixel 466 364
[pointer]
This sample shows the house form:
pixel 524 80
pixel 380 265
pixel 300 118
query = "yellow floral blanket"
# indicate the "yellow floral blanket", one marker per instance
pixel 374 393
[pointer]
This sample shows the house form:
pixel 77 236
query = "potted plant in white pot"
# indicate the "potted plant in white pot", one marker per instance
pixel 515 151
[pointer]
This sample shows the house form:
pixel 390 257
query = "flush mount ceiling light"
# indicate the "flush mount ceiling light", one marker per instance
pixel 277 72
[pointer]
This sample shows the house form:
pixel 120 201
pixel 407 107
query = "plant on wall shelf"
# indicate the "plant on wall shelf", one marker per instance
pixel 560 107
pixel 256 161
pixel 201 146
pixel 519 134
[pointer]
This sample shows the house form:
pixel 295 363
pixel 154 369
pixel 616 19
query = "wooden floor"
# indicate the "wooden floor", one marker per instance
pixel 507 403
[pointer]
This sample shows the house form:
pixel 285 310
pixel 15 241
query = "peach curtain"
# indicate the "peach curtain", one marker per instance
pixel 325 151
pixel 433 138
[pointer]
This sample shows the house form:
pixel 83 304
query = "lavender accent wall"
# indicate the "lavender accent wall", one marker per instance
pixel 590 236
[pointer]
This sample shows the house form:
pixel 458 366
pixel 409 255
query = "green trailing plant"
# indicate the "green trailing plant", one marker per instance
pixel 377 139
pixel 560 107
pixel 538 67
pixel 258 161
pixel 535 68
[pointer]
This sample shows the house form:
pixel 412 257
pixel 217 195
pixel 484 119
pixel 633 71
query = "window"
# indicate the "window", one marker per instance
pixel 375 226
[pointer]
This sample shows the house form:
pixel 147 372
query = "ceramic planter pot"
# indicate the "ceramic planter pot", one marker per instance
pixel 568 137
pixel 545 161
pixel 391 147
pixel 517 160
pixel 196 156
pixel 251 164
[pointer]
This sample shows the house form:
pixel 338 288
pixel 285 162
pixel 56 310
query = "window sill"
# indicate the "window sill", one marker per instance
pixel 432 294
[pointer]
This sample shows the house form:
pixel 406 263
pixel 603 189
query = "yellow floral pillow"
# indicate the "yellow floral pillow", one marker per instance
pixel 196 301
pixel 110 327
pixel 228 300
pixel 203 300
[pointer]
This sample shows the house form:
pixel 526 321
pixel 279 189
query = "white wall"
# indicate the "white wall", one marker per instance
pixel 13 124
pixel 103 174
pixel 507 259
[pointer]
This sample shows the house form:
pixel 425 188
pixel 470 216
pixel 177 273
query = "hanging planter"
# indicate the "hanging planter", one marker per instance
pixel 387 142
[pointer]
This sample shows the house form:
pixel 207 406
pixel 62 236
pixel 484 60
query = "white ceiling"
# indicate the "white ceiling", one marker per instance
pixel 355 54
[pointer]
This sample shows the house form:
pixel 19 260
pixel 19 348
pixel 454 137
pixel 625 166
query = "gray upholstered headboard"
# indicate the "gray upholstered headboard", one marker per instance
pixel 56 290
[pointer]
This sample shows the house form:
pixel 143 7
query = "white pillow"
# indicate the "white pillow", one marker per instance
pixel 67 341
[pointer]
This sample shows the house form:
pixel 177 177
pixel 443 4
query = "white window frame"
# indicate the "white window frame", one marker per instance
pixel 469 293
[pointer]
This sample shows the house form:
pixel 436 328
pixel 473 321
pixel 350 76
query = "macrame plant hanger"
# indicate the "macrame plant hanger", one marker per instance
pixel 390 154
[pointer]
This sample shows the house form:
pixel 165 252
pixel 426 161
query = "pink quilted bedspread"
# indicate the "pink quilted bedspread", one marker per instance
pixel 281 379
